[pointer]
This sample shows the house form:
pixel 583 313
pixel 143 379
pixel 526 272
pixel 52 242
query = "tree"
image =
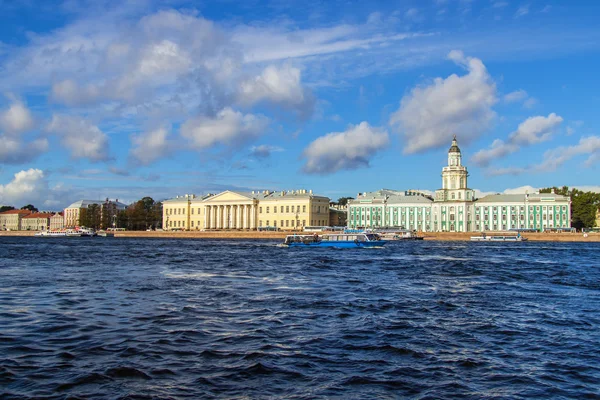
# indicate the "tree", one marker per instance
pixel 342 201
pixel 6 208
pixel 29 207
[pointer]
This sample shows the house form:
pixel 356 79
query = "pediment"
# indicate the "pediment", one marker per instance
pixel 229 196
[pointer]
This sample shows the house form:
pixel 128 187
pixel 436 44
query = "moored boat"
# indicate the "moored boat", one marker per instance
pixel 498 238
pixel 51 234
pixel 339 240
pixel 401 235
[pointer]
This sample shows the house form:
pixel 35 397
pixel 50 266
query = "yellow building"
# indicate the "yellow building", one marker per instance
pixel 36 222
pixel 11 220
pixel 246 210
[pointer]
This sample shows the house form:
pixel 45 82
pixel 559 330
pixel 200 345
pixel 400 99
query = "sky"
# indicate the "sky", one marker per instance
pixel 122 100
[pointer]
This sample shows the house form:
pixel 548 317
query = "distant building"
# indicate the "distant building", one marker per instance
pixel 455 209
pixel 338 215
pixel 72 214
pixel 39 221
pixel 57 222
pixel 11 220
pixel 246 210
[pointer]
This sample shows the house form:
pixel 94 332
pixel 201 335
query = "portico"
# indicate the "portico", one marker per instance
pixel 230 210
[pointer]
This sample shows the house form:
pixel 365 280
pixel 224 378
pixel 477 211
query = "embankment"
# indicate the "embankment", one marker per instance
pixel 442 236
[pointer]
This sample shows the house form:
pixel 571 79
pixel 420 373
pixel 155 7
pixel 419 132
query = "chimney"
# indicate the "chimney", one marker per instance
pixel 310 191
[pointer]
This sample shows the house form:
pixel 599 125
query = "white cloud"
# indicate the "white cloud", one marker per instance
pixel 530 102
pixel 152 145
pixel 535 129
pixel 13 151
pixel 278 85
pixel 499 4
pixel 516 96
pixel 346 150
pixel 228 127
pixel 26 187
pixel 522 11
pixel 83 139
pixel 16 119
pixel 531 131
pixel 264 150
pixel 462 105
pixel 555 158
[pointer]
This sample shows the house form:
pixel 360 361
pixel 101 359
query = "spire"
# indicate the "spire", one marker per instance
pixel 454 148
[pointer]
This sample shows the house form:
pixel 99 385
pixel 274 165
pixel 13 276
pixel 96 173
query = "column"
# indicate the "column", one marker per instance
pixel 253 217
pixel 245 216
pixel 206 214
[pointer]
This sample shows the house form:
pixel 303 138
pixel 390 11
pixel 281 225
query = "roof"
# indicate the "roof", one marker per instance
pixel 21 212
pixel 521 197
pixel 38 215
pixel 292 194
pixel 392 197
pixel 87 203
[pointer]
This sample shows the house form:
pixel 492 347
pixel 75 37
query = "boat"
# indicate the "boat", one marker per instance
pixel 73 233
pixel 51 234
pixel 498 238
pixel 338 240
pixel 103 233
pixel 401 235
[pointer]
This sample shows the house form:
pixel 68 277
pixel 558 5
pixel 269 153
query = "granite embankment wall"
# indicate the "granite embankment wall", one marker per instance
pixel 447 236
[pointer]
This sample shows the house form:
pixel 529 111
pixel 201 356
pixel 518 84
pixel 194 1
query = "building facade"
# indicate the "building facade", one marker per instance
pixel 72 214
pixel 246 210
pixel 11 220
pixel 57 222
pixel 38 221
pixel 454 208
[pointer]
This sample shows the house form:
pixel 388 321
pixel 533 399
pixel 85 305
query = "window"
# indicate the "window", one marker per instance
pixel 281 223
pixel 198 210
pixel 292 223
pixel 267 223
pixel 192 210
pixel 260 210
pixel 292 208
pixel 287 222
pixel 303 208
pixel 303 222
pixel 275 224
pixel 192 224
pixel 267 209
pixel 287 209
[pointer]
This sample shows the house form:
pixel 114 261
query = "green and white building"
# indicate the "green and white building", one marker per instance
pixel 454 207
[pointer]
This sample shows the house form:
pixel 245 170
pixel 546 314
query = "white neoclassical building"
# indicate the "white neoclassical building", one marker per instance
pixel 454 207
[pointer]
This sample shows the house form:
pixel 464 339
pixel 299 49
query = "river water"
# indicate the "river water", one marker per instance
pixel 111 318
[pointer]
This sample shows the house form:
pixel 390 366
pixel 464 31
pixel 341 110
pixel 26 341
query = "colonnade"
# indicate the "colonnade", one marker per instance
pixel 232 216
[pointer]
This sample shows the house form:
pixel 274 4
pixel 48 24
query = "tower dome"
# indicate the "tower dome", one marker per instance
pixel 454 148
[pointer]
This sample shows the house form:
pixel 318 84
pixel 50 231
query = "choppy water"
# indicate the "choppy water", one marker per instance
pixel 110 318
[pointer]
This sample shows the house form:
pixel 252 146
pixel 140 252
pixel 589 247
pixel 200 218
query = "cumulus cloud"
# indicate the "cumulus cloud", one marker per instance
pixel 531 131
pixel 83 139
pixel 346 150
pixel 13 151
pixel 555 158
pixel 264 150
pixel 278 85
pixel 228 127
pixel 152 145
pixel 429 115
pixel 26 187
pixel 16 119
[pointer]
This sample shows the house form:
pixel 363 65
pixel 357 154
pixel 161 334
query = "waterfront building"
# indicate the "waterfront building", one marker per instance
pixel 454 207
pixel 57 222
pixel 246 210
pixel 38 221
pixel 109 210
pixel 11 220
pixel 338 214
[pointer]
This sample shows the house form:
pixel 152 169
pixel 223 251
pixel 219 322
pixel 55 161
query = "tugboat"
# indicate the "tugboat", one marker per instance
pixel 337 240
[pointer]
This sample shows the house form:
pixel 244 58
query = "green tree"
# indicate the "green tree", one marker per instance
pixel 342 201
pixel 29 207
pixel 6 208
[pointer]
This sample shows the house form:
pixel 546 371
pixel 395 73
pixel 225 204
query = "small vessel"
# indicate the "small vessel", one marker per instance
pixel 103 233
pixel 401 235
pixel 73 233
pixel 498 238
pixel 51 234
pixel 338 240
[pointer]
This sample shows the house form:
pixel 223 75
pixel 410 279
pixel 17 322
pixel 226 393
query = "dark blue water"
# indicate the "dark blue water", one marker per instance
pixel 110 318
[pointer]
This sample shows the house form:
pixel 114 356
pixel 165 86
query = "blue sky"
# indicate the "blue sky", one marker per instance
pixel 99 99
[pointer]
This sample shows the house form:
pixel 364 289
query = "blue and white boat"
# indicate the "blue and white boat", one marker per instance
pixel 338 240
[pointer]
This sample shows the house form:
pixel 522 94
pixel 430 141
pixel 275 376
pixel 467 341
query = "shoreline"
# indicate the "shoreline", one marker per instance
pixel 438 236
